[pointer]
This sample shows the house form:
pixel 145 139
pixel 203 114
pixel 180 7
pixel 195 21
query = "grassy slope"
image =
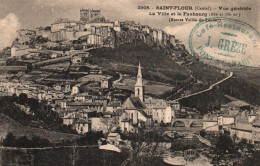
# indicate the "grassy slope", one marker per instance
pixel 9 125
pixel 252 75
pixel 125 58
pixel 236 86
pixel 205 73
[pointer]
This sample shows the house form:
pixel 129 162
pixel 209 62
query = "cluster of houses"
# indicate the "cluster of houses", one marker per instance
pixel 92 30
pixel 134 113
pixel 79 108
pixel 238 118
pixel 98 110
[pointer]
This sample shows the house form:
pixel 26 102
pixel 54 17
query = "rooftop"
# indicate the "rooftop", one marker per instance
pixel 236 103
pixel 113 134
pixel 84 104
pixel 133 103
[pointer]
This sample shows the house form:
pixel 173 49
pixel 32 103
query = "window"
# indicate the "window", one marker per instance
pixel 138 91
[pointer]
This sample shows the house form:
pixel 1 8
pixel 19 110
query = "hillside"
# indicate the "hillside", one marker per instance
pixel 211 100
pixel 9 125
pixel 190 77
pixel 157 66
pixel 252 75
pixel 41 121
pixel 125 59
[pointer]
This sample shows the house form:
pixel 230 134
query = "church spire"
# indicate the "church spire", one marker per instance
pixel 139 87
pixel 139 81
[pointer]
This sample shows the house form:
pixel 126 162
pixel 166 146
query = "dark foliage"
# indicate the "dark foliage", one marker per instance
pixel 23 98
pixel 202 133
pixel 90 138
pixel 41 113
pixel 225 144
pixel 41 40
pixel 241 89
pixel 181 145
pixel 24 142
pixel 204 102
pixel 9 141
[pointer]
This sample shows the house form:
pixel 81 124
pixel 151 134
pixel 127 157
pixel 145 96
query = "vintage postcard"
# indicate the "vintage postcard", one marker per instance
pixel 129 83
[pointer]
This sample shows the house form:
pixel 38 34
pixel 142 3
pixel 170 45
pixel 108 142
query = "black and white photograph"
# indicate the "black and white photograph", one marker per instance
pixel 129 83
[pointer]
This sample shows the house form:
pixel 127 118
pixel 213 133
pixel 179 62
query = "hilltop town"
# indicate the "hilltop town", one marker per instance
pixel 53 78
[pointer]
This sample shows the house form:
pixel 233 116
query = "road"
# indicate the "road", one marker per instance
pixel 118 80
pixel 57 60
pixel 210 87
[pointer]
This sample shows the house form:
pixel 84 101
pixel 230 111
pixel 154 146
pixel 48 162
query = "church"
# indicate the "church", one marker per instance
pixel 139 112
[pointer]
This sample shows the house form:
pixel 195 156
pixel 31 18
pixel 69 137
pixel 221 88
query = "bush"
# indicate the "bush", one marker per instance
pixel 9 141
pixel 225 144
pixel 24 142
pixel 90 138
pixel 40 142
pixel 202 133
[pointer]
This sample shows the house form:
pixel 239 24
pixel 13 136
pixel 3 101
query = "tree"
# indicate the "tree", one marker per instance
pixel 144 148
pixel 225 144
pixel 39 142
pixel 74 155
pixel 90 138
pixel 23 142
pixel 23 98
pixel 202 133
pixel 10 140
pixel 48 28
pixel 109 123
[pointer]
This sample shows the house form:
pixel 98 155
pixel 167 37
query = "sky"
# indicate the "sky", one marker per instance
pixel 34 13
pixel 15 14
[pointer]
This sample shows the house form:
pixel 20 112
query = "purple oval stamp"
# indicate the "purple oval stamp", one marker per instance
pixel 226 40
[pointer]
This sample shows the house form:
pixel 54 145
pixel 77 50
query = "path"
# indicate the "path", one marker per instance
pixel 118 80
pixel 45 148
pixel 210 88
pixel 56 60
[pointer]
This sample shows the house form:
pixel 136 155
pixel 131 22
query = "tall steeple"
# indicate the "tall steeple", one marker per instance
pixel 139 87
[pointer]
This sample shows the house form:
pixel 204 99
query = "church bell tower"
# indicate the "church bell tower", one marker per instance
pixel 139 87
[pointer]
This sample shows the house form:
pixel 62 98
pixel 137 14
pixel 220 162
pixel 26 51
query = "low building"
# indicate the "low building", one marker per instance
pixel 82 97
pixel 101 100
pixel 237 104
pixel 75 90
pixel 113 107
pixel 113 138
pixel 256 130
pixel 210 123
pixel 70 118
pixel 242 131
pixel 104 84
pixel 86 105
pixel 160 111
pixel 82 126
pixel 61 24
pixel 175 105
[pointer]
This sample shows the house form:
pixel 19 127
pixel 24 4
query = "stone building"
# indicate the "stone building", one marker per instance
pixel 87 14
